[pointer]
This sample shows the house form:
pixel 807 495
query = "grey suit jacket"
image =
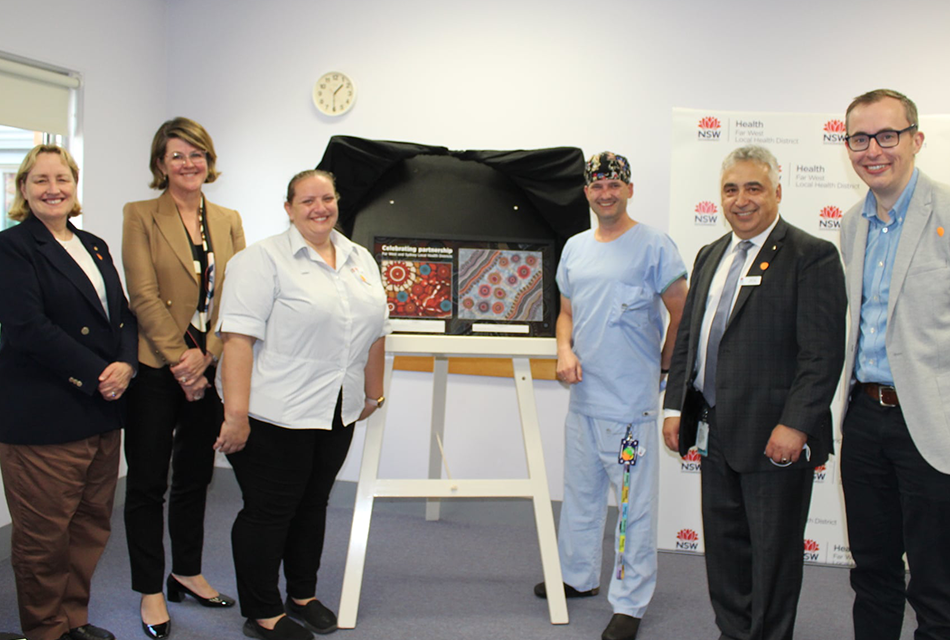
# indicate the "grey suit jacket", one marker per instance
pixel 781 353
pixel 918 314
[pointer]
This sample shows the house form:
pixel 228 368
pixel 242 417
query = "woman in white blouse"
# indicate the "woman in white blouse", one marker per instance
pixel 303 319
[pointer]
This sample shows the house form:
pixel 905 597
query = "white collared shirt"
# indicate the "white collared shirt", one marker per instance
pixel 715 292
pixel 314 326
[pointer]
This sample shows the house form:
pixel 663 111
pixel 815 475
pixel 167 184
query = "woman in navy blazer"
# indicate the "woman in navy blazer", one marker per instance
pixel 67 355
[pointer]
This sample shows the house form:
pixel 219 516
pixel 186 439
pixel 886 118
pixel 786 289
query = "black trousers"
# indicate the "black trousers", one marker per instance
pixel 285 477
pixel 895 503
pixel 754 529
pixel 162 428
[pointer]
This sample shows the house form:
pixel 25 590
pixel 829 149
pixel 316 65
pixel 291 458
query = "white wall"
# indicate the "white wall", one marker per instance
pixel 120 48
pixel 515 74
pixel 523 74
pixel 465 74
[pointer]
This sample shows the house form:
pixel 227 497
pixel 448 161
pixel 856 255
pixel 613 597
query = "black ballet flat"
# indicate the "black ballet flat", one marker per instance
pixel 177 591
pixel 158 631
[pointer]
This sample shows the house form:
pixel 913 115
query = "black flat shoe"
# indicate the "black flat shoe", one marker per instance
pixel 541 591
pixel 158 631
pixel 90 632
pixel 313 615
pixel 285 629
pixel 177 591
pixel 621 627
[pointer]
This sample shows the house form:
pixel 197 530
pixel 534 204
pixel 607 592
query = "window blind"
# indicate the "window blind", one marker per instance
pixel 34 98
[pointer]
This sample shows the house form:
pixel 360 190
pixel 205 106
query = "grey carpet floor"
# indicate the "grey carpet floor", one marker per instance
pixel 466 577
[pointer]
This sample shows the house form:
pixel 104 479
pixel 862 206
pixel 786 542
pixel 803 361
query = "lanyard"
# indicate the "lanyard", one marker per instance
pixel 629 452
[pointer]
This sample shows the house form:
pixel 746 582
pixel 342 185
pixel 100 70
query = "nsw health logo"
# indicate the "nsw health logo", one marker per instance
pixel 833 132
pixel 710 129
pixel 829 218
pixel 687 540
pixel 706 214
pixel 691 462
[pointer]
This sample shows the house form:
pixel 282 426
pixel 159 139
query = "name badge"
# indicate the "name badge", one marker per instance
pixel 750 281
pixel 702 438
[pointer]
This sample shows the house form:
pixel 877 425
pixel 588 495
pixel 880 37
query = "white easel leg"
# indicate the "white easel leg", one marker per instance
pixel 363 510
pixel 440 376
pixel 541 496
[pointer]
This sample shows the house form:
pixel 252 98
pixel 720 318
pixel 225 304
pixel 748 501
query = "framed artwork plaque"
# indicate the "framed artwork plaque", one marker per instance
pixel 469 287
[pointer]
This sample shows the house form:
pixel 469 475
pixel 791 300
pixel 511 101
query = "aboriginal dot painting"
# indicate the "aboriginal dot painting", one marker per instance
pixel 500 285
pixel 418 289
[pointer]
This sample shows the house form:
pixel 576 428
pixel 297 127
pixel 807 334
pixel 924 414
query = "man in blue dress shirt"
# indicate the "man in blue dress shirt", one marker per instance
pixel 895 462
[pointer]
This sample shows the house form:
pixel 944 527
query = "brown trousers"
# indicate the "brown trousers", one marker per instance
pixel 60 499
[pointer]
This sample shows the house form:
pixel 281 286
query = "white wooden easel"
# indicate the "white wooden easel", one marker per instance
pixel 370 486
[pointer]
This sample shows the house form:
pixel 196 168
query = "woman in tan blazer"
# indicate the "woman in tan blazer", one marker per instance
pixel 175 250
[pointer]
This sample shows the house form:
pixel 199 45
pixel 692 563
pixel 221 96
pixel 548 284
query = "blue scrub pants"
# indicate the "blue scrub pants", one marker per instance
pixel 590 469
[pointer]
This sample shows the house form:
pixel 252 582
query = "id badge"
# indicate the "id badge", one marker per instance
pixel 702 438
pixel 629 449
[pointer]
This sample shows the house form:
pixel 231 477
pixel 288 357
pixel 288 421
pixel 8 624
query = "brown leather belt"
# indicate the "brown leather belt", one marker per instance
pixel 884 394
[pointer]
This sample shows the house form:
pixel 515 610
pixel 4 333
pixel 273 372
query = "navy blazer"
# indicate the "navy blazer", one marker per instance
pixel 781 353
pixel 55 338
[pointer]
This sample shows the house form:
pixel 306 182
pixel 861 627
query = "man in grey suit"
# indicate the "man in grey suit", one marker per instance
pixel 895 460
pixel 757 359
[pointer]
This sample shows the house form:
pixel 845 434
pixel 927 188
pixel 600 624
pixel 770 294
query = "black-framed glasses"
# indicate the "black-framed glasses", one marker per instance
pixel 885 139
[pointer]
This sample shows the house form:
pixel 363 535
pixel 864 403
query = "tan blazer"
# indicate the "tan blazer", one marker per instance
pixel 160 273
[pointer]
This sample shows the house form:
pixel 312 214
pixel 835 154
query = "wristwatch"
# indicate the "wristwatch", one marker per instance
pixel 378 401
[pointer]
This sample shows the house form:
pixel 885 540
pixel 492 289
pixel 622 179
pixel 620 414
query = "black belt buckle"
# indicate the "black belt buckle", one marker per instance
pixel 885 389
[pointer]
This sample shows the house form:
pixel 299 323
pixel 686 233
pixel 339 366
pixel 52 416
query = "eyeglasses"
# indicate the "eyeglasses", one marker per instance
pixel 178 159
pixel 885 139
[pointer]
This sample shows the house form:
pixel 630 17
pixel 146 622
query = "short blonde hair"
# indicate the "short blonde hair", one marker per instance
pixel 192 133
pixel 20 210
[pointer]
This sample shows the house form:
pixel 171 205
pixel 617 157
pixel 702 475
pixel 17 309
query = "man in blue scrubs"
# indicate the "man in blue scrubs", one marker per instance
pixel 614 282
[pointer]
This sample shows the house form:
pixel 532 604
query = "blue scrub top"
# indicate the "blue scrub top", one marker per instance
pixel 615 290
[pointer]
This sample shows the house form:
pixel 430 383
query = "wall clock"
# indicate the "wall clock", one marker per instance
pixel 334 94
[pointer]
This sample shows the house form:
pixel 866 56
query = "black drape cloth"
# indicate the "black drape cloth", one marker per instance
pixel 551 180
